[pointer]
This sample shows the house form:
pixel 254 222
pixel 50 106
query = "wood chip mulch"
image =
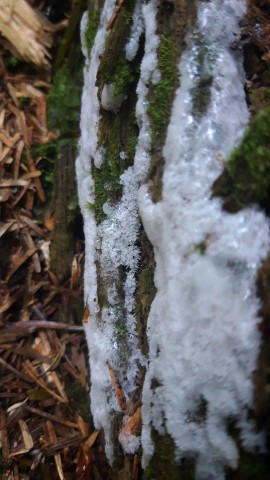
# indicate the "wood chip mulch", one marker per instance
pixel 44 424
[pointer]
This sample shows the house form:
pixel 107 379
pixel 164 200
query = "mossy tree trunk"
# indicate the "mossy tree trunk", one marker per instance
pixel 118 131
pixel 63 116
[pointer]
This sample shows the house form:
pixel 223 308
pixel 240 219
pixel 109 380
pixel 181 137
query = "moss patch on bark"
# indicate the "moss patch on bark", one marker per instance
pixel 173 22
pixel 246 178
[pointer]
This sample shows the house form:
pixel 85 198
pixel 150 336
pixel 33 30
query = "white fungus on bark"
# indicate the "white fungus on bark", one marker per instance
pixel 148 69
pixel 113 244
pixel 202 327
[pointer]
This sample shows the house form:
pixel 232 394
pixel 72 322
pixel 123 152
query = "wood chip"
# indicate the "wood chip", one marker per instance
pixel 19 259
pixel 18 154
pixel 118 389
pixel 27 437
pixel 30 370
pixel 12 183
pixel 4 153
pixel 7 140
pixel 84 465
pixel 92 439
pixel 134 423
pixel 51 417
pixel 3 434
pixel 135 468
pixel 37 182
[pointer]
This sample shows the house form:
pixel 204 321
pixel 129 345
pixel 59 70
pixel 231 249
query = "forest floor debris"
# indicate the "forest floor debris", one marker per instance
pixel 44 406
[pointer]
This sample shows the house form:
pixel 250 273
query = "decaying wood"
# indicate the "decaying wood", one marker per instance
pixel 28 31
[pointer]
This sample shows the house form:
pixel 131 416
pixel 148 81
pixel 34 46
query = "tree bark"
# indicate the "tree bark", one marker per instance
pixel 118 131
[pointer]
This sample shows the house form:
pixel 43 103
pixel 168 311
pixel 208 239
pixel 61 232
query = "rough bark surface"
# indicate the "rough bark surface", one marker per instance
pixel 119 131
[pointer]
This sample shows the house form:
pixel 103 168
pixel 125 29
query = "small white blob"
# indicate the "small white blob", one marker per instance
pixel 109 100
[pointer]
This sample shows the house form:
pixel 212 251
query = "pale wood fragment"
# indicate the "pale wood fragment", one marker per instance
pixel 27 30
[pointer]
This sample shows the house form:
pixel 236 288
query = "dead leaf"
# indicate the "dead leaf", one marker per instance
pixel 91 439
pixel 134 424
pixel 86 314
pixel 57 456
pixel 84 465
pixel 27 437
pixel 118 389
pixel 19 259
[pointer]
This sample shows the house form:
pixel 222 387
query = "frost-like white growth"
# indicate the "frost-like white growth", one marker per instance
pixel 203 340
pixel 116 242
pixel 202 327
pixel 90 102
pixel 137 29
pixel 115 247
pixel 130 443
pixel 109 100
pixel 88 148
pixel 148 73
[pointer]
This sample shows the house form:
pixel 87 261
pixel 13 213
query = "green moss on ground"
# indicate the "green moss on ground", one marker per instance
pixel 246 178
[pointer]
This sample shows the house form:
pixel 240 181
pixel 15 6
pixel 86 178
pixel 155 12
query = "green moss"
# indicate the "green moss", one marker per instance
pixel 120 331
pixel 163 464
pixel 201 92
pixel 122 77
pixel 159 102
pixel 259 98
pixel 91 30
pixel 115 140
pixel 202 246
pixel 116 40
pixel 11 61
pixel 246 177
pixel 117 132
pixel 63 113
pixel 159 109
pixel 64 99
pixel 73 204
pixel 115 69
pixel 120 326
pixel 90 206
pixel 118 71
pixel 80 396
pixel 145 289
